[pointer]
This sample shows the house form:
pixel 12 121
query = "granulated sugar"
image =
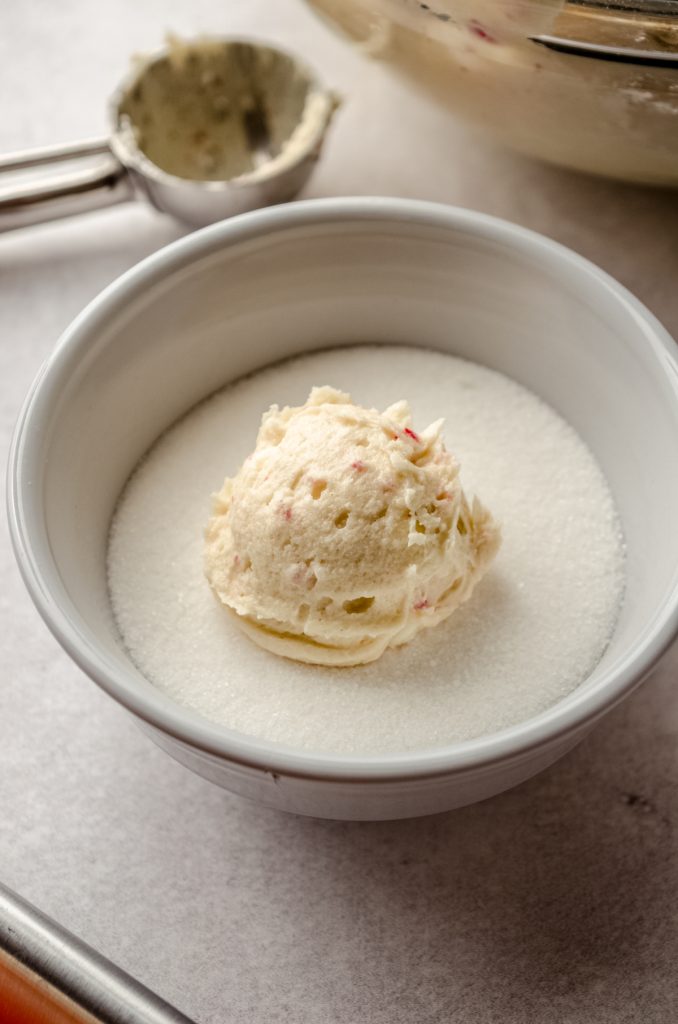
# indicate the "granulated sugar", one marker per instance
pixel 532 631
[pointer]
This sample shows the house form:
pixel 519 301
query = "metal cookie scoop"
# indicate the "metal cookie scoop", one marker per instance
pixel 201 129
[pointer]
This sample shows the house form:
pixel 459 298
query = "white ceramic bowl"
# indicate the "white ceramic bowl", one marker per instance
pixel 234 297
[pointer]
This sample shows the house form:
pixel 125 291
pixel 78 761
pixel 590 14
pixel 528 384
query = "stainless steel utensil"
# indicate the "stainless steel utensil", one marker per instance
pixel 46 974
pixel 201 129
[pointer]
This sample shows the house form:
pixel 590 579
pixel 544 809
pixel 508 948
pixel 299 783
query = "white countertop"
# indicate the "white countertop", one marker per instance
pixel 557 901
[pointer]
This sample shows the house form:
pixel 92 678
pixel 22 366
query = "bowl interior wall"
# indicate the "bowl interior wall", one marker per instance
pixel 542 321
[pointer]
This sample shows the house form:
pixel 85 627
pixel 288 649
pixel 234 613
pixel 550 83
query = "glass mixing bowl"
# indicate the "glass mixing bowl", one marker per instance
pixel 590 86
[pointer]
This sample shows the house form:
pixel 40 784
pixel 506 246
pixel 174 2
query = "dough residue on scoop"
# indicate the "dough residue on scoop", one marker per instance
pixel 345 532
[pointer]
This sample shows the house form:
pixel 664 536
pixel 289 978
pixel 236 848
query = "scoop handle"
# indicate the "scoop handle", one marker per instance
pixel 101 181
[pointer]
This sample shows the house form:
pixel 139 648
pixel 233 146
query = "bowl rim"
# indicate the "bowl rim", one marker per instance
pixel 559 723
